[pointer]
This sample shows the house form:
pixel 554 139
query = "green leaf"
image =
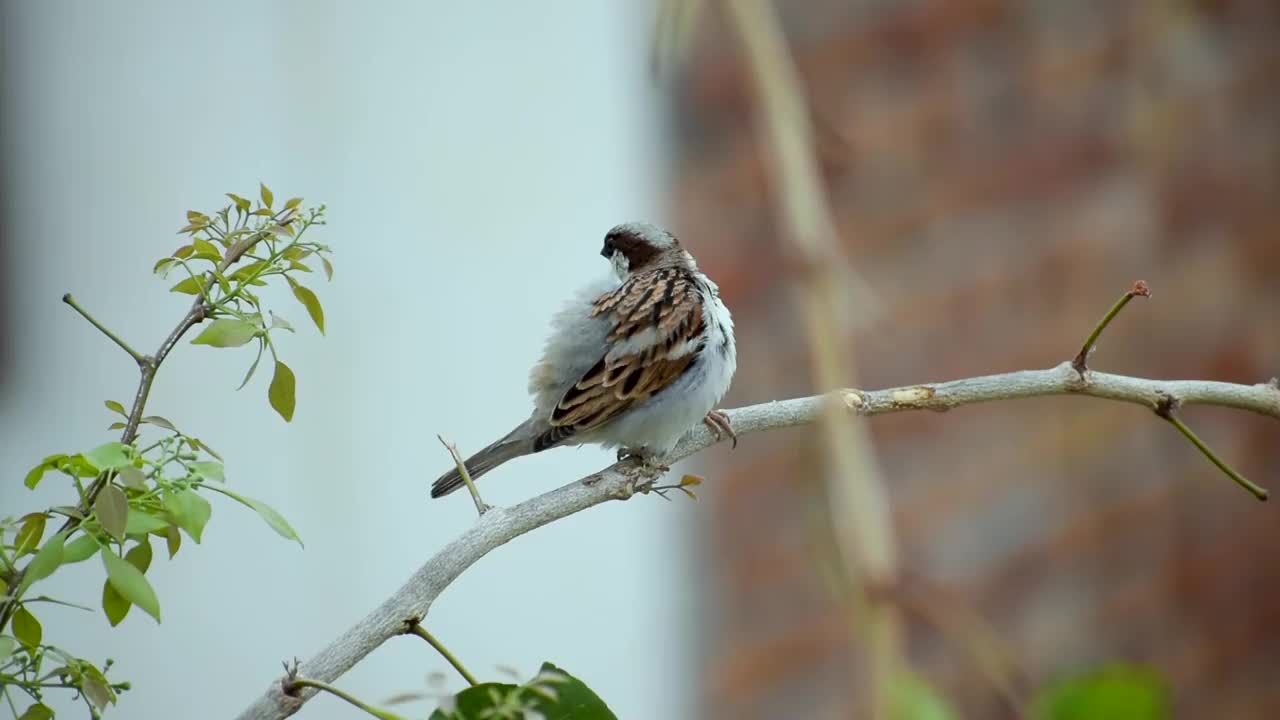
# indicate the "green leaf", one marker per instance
pixel 246 271
pixel 130 583
pixel 95 687
pixel 163 265
pixel 262 344
pixel 242 204
pixel 132 478
pixel 79 550
pixel 34 474
pixel 191 286
pixel 227 332
pixel 114 606
pixel 328 267
pixel 1115 692
pixel 185 251
pixel 26 628
pixel 139 555
pixel 265 511
pixel 190 512
pixel 264 192
pixel 553 693
pixel 198 444
pixel 7 646
pixel 115 407
pixel 281 392
pixel 109 456
pixel 209 470
pixel 112 509
pixel 160 422
pixel 44 563
pixel 293 203
pixel 310 302
pixel 141 522
pixel 281 323
pixel 173 540
pixel 30 534
pixel 206 250
pixel 914 699
pixel 39 711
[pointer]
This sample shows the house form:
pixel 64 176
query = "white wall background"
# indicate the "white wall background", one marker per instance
pixel 472 155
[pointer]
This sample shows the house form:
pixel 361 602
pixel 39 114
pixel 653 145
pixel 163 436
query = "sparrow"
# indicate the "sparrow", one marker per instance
pixel 633 362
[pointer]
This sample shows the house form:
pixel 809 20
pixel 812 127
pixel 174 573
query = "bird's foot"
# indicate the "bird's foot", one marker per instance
pixel 646 463
pixel 720 426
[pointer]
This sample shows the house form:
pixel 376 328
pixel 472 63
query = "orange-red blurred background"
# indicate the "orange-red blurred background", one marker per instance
pixel 1002 171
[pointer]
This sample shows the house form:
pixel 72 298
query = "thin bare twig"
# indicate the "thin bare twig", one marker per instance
pixel 1167 408
pixel 481 506
pixel 417 629
pixel 137 356
pixel 293 683
pixel 1139 289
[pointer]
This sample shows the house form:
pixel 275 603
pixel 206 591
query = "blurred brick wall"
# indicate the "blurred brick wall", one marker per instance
pixel 1002 171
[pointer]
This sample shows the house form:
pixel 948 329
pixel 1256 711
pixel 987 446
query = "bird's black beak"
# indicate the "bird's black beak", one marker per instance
pixel 604 251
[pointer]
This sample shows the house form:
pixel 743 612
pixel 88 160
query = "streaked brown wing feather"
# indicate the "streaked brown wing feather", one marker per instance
pixel 665 300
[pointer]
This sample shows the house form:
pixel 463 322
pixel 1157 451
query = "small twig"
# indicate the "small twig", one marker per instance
pixel 1139 289
pixel 137 356
pixel 415 628
pixel 293 683
pixel 481 507
pixel 1167 408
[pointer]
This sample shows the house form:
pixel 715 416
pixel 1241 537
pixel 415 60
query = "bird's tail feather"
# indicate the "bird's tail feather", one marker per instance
pixel 481 463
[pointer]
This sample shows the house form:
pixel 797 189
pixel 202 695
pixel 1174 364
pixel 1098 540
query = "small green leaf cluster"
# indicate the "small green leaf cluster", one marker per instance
pixel 150 488
pixel 552 694
pixel 244 246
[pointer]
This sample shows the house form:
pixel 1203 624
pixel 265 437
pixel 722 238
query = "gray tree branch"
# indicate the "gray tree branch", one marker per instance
pixel 408 605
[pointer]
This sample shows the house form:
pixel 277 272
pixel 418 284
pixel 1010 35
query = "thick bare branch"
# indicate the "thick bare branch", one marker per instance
pixel 620 481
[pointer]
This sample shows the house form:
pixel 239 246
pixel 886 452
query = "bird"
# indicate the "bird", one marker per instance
pixel 634 361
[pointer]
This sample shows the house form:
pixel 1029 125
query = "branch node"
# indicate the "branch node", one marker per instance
pixel 289 683
pixel 1139 289
pixel 854 400
pixel 1167 405
pixel 1274 383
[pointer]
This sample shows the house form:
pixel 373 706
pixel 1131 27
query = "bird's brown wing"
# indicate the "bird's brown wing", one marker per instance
pixel 664 303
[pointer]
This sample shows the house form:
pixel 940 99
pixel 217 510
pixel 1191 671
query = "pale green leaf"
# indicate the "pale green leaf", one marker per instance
pixel 132 478
pixel 226 332
pixel 115 407
pixel 39 711
pixel 114 606
pixel 26 628
pixel 281 392
pixel 191 286
pixel 79 550
pixel 310 302
pixel 190 512
pixel 141 523
pixel 262 344
pixel 160 422
pixel 44 563
pixel 30 534
pixel 112 509
pixel 130 583
pixel 209 470
pixel 264 192
pixel 265 511
pixel 110 456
